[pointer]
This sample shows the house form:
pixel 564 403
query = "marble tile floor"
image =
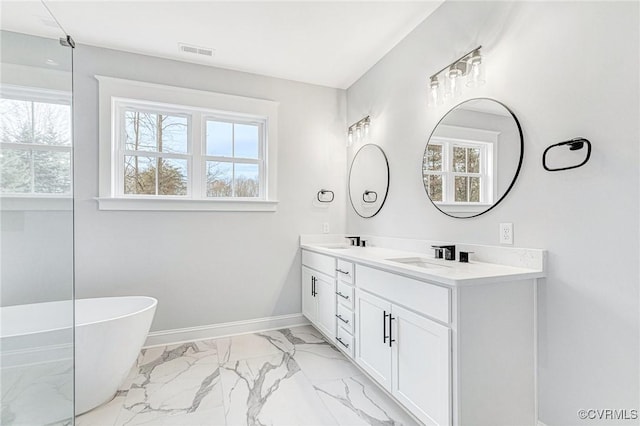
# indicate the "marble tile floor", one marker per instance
pixel 284 377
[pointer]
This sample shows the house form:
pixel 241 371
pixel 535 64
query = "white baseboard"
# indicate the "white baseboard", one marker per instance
pixel 214 331
pixel 540 423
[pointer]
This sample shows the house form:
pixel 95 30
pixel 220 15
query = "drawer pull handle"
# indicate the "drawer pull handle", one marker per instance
pixel 343 272
pixel 391 340
pixel 346 345
pixel 342 319
pixel 342 295
pixel 384 326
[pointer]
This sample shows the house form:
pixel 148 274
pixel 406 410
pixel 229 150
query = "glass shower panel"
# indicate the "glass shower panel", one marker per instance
pixel 36 218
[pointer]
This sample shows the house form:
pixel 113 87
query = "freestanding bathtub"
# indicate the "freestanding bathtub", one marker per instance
pixel 109 334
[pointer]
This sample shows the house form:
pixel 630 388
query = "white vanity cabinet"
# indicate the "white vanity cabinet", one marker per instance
pixel 408 354
pixel 319 291
pixel 450 355
pixel 453 352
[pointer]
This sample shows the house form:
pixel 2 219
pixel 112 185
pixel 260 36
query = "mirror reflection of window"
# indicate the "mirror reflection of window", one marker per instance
pixel 458 172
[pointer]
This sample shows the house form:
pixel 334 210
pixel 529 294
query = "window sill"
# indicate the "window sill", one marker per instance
pixel 168 204
pixel 36 203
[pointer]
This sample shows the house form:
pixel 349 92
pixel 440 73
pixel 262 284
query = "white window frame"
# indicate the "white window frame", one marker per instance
pixel 487 142
pixel 115 94
pixel 35 200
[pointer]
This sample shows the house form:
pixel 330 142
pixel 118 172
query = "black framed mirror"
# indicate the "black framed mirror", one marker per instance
pixel 472 158
pixel 368 180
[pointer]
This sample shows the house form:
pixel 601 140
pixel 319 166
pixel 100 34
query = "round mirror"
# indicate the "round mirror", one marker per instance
pixel 473 158
pixel 368 180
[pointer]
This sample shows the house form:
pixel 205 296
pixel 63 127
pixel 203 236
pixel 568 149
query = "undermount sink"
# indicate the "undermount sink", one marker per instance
pixel 336 246
pixel 420 262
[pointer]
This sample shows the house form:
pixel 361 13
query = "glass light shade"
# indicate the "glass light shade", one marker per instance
pixel 435 92
pixel 350 137
pixel 366 128
pixel 359 132
pixel 454 80
pixel 475 76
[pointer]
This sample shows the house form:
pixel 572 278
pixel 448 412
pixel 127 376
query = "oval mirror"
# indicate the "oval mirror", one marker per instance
pixel 472 158
pixel 368 180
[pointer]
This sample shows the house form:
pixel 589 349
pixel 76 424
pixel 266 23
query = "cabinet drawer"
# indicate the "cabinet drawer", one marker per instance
pixel 345 317
pixel 345 271
pixel 345 341
pixel 344 294
pixel 428 299
pixel 319 262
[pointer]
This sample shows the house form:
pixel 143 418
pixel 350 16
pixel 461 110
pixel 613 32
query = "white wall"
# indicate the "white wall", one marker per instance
pixel 208 267
pixel 566 70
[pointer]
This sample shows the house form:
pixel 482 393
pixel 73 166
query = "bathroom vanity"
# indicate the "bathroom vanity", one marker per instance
pixel 454 343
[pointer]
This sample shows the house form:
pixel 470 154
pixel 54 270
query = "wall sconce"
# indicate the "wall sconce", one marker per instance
pixel 359 131
pixel 452 77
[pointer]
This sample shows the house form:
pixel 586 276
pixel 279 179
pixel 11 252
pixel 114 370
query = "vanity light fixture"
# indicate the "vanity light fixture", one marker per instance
pixel 468 65
pixel 359 131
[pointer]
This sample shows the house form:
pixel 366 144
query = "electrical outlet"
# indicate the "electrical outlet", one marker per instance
pixel 325 228
pixel 506 233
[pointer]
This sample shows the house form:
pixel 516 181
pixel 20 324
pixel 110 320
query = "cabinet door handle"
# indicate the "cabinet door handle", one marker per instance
pixel 346 345
pixel 342 295
pixel 342 319
pixel 342 272
pixel 313 286
pixel 384 327
pixel 391 340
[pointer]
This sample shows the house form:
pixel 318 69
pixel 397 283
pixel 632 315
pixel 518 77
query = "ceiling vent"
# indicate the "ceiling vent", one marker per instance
pixel 196 50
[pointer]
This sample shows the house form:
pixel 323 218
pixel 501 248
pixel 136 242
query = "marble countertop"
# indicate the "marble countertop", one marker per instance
pixel 444 272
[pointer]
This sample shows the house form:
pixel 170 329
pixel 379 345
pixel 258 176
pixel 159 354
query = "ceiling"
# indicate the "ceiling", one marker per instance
pixel 325 43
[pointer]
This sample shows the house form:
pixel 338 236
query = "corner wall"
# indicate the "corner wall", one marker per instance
pixel 566 70
pixel 208 267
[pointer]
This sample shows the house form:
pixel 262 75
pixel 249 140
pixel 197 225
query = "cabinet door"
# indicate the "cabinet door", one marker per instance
pixel 326 297
pixel 309 305
pixel 422 366
pixel 373 353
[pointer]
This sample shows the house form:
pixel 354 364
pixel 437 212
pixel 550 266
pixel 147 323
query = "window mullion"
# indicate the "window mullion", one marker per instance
pixel 157 175
pixel 233 163
pixel 31 153
pixel 197 167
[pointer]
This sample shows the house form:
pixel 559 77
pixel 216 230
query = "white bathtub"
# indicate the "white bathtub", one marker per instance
pixel 109 333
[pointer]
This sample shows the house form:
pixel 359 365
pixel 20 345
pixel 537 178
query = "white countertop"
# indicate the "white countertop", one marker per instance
pixel 445 272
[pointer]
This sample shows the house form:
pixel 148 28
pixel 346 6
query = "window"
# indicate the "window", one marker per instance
pixel 155 155
pixel 207 152
pixel 233 158
pixel 459 172
pixel 35 142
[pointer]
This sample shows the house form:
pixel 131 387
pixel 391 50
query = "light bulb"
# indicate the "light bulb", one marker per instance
pixel 476 70
pixel 350 137
pixel 366 128
pixel 359 131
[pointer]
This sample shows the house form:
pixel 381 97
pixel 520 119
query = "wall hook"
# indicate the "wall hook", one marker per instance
pixel 574 144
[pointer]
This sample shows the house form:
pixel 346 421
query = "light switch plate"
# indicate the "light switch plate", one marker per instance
pixel 506 233
pixel 325 228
